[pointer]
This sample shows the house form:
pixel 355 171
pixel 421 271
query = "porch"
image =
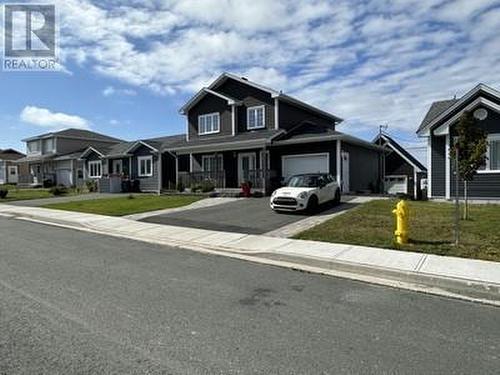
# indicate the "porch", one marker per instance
pixel 259 179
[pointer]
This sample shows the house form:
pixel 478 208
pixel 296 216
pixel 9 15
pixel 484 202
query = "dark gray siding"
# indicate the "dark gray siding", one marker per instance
pixel 290 116
pixel 438 166
pixel 364 166
pixel 251 97
pixel 146 183
pixel 210 104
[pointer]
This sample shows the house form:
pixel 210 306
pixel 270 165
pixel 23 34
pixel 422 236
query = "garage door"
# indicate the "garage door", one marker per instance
pixel 310 163
pixel 64 177
pixel 396 184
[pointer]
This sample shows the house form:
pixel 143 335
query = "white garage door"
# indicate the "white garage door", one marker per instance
pixel 396 184
pixel 309 163
pixel 64 177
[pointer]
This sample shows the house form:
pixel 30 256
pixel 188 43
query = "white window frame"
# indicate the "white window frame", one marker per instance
pixel 39 147
pixel 206 157
pixel 203 130
pixel 140 159
pixel 256 108
pixel 98 164
pixel 491 137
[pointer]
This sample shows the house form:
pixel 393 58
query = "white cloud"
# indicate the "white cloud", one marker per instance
pixel 368 62
pixel 54 121
pixel 110 91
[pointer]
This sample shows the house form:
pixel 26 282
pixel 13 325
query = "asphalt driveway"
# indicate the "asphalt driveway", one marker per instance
pixel 252 216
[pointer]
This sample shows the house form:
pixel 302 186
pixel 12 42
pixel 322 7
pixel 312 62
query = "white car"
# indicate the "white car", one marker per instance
pixel 306 192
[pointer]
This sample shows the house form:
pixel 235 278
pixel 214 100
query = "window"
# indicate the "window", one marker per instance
pixel 145 166
pixel 209 124
pixel 493 154
pixel 211 163
pixel 256 118
pixel 33 147
pixel 95 169
pixel 48 145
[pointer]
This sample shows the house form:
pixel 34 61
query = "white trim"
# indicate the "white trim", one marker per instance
pixel 91 149
pixel 95 162
pixel 291 156
pixel 233 119
pixel 388 143
pixel 215 155
pixel 488 170
pixel 256 108
pixel 226 75
pixel 145 158
pixel 444 128
pixel 160 174
pixel 176 170
pixel 140 143
pixel 187 129
pixel 229 100
pixel 191 162
pixel 201 94
pixel 415 187
pixel 276 114
pixel 467 96
pixel 206 115
pixel 447 168
pixel 338 161
pixel 429 167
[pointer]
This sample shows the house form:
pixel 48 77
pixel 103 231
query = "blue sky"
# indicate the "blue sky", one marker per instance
pixel 128 66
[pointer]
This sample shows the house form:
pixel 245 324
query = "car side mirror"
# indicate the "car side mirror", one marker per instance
pixel 321 184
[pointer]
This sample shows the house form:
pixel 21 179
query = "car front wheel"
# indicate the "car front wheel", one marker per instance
pixel 312 204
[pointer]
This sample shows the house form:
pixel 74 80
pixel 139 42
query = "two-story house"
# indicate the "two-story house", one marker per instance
pixel 439 127
pixel 239 131
pixel 55 157
pixel 9 170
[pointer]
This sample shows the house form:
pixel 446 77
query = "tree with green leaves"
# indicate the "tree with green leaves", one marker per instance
pixel 472 145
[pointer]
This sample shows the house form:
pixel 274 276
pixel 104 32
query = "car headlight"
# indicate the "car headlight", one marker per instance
pixel 274 193
pixel 303 195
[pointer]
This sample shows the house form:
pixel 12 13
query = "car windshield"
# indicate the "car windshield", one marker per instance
pixel 303 181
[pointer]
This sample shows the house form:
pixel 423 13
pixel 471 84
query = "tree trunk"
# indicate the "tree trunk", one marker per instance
pixel 466 200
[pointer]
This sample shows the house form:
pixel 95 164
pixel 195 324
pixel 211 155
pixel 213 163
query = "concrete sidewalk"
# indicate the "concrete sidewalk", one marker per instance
pixel 454 277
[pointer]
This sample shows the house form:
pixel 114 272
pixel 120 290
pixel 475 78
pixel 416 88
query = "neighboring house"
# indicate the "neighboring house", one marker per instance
pixel 9 170
pixel 239 131
pixel 402 171
pixel 55 157
pixel 141 161
pixel 438 127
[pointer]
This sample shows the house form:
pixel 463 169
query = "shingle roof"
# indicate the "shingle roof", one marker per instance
pixel 77 133
pixel 10 154
pixel 435 110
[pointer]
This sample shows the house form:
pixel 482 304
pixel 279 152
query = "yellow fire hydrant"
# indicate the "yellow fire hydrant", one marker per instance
pixel 402 213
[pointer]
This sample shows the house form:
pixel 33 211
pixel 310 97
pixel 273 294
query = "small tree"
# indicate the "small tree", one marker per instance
pixel 472 145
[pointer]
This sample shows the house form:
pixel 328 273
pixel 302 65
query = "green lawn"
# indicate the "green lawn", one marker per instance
pixel 431 229
pixel 24 194
pixel 126 206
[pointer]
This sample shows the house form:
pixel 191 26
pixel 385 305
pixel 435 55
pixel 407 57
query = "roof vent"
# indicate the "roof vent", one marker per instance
pixel 244 78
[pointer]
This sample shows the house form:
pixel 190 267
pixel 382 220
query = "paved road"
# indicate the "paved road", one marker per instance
pixel 72 302
pixel 252 216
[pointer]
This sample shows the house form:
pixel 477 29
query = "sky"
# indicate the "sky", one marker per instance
pixel 128 66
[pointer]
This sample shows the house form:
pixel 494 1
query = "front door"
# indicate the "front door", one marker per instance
pixel 12 176
pixel 117 166
pixel 247 163
pixel 345 172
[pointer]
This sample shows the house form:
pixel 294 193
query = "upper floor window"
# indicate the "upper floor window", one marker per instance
pixel 48 145
pixel 33 147
pixel 95 169
pixel 145 166
pixel 209 123
pixel 256 118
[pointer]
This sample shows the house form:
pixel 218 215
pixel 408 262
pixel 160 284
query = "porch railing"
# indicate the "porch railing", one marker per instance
pixel 218 178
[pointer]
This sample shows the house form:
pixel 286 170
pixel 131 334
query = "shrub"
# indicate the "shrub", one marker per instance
pixel 180 187
pixel 195 188
pixel 207 186
pixel 3 193
pixel 47 183
pixel 58 191
pixel 91 185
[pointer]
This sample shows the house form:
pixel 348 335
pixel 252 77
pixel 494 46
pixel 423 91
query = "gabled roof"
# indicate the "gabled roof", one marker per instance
pixel 212 89
pixel 76 134
pixel 204 92
pixel 396 147
pixel 10 154
pixel 440 110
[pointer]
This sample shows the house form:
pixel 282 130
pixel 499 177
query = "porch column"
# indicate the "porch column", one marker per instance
pixel 176 170
pixel 447 167
pixel 130 167
pixel 160 172
pixel 338 161
pixel 263 164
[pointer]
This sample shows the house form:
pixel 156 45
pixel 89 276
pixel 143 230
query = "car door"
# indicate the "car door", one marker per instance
pixel 323 190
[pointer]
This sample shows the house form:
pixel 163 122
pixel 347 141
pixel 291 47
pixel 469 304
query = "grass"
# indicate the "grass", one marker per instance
pixel 431 229
pixel 24 194
pixel 125 205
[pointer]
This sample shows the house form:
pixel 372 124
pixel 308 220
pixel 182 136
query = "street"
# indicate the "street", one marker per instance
pixel 75 302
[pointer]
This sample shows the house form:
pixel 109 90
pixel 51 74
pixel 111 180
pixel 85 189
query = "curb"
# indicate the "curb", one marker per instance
pixel 450 287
